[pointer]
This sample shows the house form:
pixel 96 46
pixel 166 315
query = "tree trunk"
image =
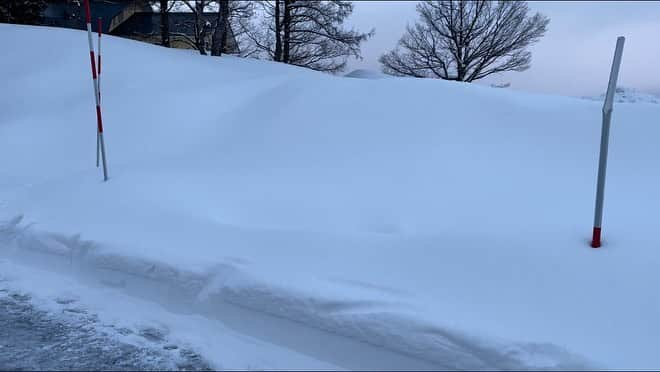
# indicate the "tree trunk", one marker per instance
pixel 278 33
pixel 201 42
pixel 225 33
pixel 164 24
pixel 287 31
pixel 201 27
pixel 219 41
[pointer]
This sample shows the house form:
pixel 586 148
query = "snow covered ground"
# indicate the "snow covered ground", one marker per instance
pixel 276 217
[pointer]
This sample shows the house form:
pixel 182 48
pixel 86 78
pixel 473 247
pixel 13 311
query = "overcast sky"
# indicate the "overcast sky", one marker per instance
pixel 573 58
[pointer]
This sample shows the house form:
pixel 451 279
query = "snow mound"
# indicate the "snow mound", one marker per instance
pixel 628 95
pixel 367 74
pixel 441 221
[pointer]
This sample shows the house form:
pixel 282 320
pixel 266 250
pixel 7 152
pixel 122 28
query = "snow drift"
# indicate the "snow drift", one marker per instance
pixel 445 221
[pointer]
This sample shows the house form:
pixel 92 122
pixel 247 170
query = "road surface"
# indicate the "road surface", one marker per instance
pixel 32 339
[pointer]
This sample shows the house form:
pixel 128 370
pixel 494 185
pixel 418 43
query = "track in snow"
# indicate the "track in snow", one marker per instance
pixel 326 347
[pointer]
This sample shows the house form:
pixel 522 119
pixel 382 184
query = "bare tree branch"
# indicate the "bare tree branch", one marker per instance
pixel 308 33
pixel 466 40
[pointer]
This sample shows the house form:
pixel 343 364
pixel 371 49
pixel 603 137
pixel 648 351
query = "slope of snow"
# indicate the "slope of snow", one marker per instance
pixel 444 221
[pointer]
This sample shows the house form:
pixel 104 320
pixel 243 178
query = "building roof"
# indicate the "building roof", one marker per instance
pixel 71 14
pixel 124 18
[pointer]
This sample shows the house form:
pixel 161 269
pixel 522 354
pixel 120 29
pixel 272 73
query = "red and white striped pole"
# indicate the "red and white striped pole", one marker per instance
pixel 99 120
pixel 98 140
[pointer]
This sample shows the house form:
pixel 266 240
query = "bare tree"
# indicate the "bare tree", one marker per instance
pixel 277 54
pixel 232 17
pixel 164 23
pixel 466 40
pixel 308 33
pixel 164 8
pixel 219 38
pixel 218 19
pixel 202 26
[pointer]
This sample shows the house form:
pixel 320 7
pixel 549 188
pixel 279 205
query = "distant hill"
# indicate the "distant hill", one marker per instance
pixel 366 74
pixel 628 95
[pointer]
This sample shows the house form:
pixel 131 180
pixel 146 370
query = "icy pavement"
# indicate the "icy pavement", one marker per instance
pixel 96 325
pixel 33 339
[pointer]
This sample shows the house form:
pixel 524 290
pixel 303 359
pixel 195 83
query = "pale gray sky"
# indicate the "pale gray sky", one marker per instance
pixel 573 58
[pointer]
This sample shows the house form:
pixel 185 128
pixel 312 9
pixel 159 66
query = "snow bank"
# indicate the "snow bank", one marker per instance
pixel 445 221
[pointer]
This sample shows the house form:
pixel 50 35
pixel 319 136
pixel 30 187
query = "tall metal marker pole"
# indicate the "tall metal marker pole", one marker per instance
pixel 98 138
pixel 604 142
pixel 99 120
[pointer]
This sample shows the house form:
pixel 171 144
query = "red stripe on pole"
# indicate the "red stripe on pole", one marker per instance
pixel 88 13
pixel 595 241
pixel 99 121
pixel 91 56
pixel 97 93
pixel 100 27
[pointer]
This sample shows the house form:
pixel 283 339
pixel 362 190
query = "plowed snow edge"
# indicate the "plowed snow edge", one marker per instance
pixel 209 293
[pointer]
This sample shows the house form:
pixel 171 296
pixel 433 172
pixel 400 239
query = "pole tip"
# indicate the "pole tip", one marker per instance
pixel 595 240
pixel 88 17
pixel 620 41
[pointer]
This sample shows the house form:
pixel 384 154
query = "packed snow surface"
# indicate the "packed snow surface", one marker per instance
pixel 444 222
